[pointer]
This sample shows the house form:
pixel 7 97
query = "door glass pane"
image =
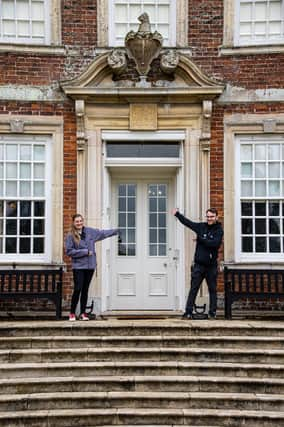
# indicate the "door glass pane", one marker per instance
pixel 127 219
pixel 157 213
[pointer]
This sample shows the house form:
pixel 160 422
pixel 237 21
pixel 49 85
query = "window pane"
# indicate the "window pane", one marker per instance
pixel 274 209
pixel 25 246
pixel 39 189
pixel 11 189
pixel 11 170
pixel 38 245
pixel 11 226
pixel 25 226
pixel 274 244
pixel 39 152
pixel 273 152
pixel 11 152
pixel 260 244
pixel 260 226
pixel 246 170
pixel 38 170
pixel 38 226
pixel 39 208
pixel 247 245
pixel 246 208
pixel 260 209
pixel 37 10
pixel 274 226
pixel 274 170
pixel 11 245
pixel 260 188
pixel 25 189
pixel 246 226
pixel 246 189
pixel 25 171
pixel 260 152
pixel 25 152
pixel 25 208
pixel 274 188
pixel 260 170
pixel 246 152
pixel 11 208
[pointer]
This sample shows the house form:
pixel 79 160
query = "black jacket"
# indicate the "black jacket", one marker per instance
pixel 209 239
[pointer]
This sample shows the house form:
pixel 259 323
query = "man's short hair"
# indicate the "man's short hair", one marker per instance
pixel 212 210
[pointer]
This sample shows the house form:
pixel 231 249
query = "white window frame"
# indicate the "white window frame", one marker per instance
pixel 172 23
pixel 231 44
pixel 254 41
pixel 49 128
pixel 178 7
pixel 47 141
pixel 254 256
pixel 52 36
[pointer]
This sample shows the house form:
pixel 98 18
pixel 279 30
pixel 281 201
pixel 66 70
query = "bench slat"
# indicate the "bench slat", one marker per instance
pixel 251 283
pixel 33 283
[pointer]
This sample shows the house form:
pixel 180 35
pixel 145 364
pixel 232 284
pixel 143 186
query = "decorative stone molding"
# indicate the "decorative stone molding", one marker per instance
pixel 117 61
pixel 17 126
pixel 206 126
pixel 81 133
pixel 169 61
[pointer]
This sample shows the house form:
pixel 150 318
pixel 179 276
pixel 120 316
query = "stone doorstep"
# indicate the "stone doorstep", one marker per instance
pixel 142 327
pixel 37 342
pixel 72 400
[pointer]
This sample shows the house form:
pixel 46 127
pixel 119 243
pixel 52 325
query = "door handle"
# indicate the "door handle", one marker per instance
pixel 165 264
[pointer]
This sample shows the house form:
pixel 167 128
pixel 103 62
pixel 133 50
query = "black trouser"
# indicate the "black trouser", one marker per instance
pixel 82 279
pixel 198 274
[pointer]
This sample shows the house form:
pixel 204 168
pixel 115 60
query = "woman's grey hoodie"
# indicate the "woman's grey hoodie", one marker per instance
pixel 79 252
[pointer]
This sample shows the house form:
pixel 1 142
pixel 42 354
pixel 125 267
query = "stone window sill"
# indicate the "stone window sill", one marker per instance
pixel 37 49
pixel 251 50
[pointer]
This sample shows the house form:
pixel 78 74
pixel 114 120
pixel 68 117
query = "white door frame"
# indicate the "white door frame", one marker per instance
pixel 108 136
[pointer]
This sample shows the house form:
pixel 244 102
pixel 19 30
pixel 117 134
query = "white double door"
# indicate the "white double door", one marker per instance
pixel 143 265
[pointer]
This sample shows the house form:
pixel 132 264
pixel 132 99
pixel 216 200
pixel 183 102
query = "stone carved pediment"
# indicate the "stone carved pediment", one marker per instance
pixel 97 81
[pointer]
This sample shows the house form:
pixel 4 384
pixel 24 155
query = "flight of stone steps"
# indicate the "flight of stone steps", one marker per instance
pixel 142 372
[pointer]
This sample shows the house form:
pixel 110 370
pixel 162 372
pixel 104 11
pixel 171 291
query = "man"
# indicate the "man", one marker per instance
pixel 209 239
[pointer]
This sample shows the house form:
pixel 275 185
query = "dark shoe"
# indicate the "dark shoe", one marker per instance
pixel 187 316
pixel 212 316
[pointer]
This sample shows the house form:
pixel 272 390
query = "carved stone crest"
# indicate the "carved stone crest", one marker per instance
pixel 143 46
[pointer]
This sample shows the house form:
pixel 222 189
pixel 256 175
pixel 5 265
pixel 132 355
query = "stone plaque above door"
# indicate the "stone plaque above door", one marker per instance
pixel 143 116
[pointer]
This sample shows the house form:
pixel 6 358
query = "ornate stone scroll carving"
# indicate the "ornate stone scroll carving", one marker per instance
pixel 80 113
pixel 206 126
pixel 117 61
pixel 143 46
pixel 169 61
pixel 17 126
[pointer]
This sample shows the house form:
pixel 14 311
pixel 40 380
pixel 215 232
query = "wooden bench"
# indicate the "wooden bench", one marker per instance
pixel 20 283
pixel 243 283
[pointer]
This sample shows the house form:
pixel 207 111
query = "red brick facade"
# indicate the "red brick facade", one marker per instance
pixel 79 38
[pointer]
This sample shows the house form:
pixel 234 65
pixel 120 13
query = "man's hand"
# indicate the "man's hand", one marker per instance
pixel 174 211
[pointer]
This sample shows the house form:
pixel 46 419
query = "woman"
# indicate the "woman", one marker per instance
pixel 80 246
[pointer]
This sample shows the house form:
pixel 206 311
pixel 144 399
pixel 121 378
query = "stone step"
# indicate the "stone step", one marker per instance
pixel 84 369
pixel 144 383
pixel 41 342
pixel 175 400
pixel 135 416
pixel 172 327
pixel 154 354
